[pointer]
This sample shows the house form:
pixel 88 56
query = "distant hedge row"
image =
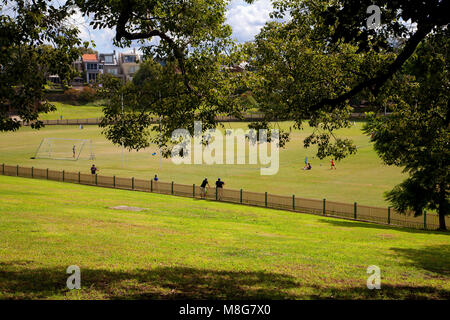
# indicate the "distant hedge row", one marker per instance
pixel 74 96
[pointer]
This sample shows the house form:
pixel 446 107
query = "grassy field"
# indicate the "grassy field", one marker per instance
pixel 186 248
pixel 361 177
pixel 69 111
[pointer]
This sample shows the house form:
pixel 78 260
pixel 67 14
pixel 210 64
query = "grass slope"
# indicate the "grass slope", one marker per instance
pixel 185 248
pixel 361 177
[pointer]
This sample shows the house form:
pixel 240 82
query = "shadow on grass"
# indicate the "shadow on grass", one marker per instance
pixel 18 280
pixel 371 225
pixel 158 283
pixel 390 292
pixel 435 259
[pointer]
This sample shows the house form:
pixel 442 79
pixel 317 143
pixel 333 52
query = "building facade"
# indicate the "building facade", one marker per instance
pixel 92 65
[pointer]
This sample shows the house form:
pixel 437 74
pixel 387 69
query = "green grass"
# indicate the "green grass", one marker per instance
pixel 186 248
pixel 361 177
pixel 69 111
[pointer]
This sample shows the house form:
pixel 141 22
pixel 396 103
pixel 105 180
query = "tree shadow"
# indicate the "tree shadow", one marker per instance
pixel 390 292
pixel 372 225
pixel 158 283
pixel 18 280
pixel 435 259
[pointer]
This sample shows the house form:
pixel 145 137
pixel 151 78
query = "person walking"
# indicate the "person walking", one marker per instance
pixel 219 188
pixel 156 184
pixel 203 188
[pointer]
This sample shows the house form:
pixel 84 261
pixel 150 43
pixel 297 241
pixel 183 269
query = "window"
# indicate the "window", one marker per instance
pixel 109 59
pixel 92 66
pixel 129 59
pixel 112 71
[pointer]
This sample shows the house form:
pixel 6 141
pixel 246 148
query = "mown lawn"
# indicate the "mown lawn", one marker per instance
pixel 360 178
pixel 68 111
pixel 186 248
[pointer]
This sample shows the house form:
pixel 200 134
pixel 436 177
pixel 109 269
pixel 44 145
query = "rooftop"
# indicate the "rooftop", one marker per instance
pixel 89 57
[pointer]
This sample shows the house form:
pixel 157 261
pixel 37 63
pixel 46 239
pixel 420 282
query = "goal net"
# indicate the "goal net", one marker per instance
pixel 65 149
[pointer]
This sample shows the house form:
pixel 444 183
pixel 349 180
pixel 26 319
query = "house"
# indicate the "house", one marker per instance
pixel 110 64
pixel 129 64
pixel 78 66
pixel 91 66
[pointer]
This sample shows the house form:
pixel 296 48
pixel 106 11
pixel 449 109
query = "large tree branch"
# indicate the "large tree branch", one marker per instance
pixel 378 81
pixel 122 32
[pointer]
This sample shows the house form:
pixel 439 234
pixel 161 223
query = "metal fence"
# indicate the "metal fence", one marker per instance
pixel 247 117
pixel 387 216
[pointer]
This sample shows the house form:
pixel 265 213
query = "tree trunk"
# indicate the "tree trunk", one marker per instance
pixel 442 221
pixel 442 207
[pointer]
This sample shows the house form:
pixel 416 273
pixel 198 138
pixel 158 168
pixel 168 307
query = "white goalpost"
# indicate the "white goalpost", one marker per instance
pixel 64 149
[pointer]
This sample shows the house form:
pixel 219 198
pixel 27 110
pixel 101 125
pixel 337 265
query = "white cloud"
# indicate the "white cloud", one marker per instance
pixel 246 20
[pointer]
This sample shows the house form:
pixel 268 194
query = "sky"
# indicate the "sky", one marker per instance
pixel 245 20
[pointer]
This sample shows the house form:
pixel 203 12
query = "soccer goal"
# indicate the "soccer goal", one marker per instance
pixel 65 149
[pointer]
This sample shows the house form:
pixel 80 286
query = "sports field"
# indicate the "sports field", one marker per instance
pixel 186 248
pixel 361 177
pixel 68 111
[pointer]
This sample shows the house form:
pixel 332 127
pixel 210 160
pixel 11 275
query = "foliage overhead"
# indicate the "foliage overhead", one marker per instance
pixel 35 43
pixel 416 135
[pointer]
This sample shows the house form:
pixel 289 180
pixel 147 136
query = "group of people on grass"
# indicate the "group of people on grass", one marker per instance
pixel 219 187
pixel 309 167
pixel 220 183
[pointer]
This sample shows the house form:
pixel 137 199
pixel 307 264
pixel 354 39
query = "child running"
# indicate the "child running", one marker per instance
pixel 332 165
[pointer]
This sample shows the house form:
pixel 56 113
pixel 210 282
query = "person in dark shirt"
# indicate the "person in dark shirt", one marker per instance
pixel 219 187
pixel 155 178
pixel 203 188
pixel 94 169
pixel 309 166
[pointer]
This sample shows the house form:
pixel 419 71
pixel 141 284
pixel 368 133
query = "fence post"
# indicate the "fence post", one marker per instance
pixel 265 200
pixel 389 215
pixel 172 187
pixel 132 183
pixel 3 169
pixel 193 190
pixel 424 219
pixel 323 210
pixel 216 193
pixel 32 172
pixel 63 175
pixel 151 185
pixel 114 181
pixel 17 170
pixel 47 173
pixel 355 210
pixel 96 180
pixel 293 202
pixel 79 177
pixel 241 196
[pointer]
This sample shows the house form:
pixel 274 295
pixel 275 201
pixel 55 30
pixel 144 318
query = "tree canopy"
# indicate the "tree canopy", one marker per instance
pixel 34 43
pixel 416 135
